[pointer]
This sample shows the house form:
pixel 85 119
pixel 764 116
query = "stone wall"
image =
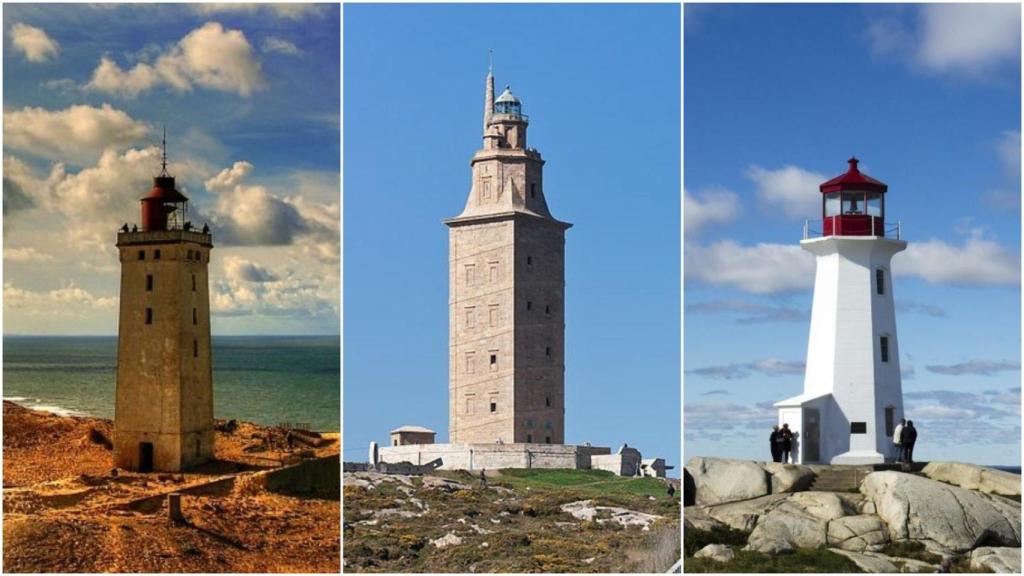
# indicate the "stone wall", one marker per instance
pixel 496 456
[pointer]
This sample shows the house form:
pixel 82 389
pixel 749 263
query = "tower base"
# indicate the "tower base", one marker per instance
pixel 863 457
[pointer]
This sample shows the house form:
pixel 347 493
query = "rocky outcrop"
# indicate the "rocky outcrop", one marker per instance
pixel 974 477
pixel 918 508
pixel 698 519
pixel 587 510
pixel 717 481
pixel 1000 560
pixel 789 477
pixel 716 552
pixel 858 533
pixel 876 563
pixel 742 515
pixel 799 521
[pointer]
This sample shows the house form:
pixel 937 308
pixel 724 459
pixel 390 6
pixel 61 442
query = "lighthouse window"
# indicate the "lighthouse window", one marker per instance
pixel 193 282
pixel 470 364
pixel 470 317
pixel 195 317
pixel 529 438
pixel 142 254
pixel 533 190
pixel 547 401
pixel 884 340
pixel 529 305
pixel 853 203
pixel 195 348
pixel 547 351
pixel 149 282
pixel 880 281
pixel 156 254
pixel 858 427
pixel 188 255
pixel 494 404
pixel 149 315
pixel 874 204
pixel 494 360
pixel 547 309
pixel 890 420
pixel 832 204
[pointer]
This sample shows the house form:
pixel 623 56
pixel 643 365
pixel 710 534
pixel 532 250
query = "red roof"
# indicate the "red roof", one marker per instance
pixel 164 191
pixel 854 179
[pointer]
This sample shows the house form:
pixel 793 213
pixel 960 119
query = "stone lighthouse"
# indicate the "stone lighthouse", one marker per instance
pixel 506 293
pixel 163 417
pixel 852 396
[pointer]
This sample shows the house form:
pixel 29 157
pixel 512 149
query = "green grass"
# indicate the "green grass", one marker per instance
pixel 598 482
pixel 911 549
pixel 694 540
pixel 803 560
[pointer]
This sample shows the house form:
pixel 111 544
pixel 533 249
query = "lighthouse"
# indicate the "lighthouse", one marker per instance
pixel 163 414
pixel 506 292
pixel 852 397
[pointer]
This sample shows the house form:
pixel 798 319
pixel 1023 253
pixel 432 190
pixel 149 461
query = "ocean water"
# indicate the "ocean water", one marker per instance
pixel 263 379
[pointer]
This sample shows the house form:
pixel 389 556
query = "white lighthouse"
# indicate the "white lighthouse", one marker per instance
pixel 852 396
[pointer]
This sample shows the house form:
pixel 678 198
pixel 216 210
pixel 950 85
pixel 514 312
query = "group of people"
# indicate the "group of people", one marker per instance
pixel 904 437
pixel 781 443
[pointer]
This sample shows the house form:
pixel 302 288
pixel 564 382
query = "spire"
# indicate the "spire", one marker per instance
pixel 489 95
pixel 163 154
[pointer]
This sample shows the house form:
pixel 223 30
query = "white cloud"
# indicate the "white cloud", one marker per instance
pixel 790 190
pixel 968 36
pixel 25 255
pixel 760 269
pixel 239 269
pixel 246 289
pixel 712 206
pixel 978 262
pixel 228 178
pixel 33 42
pixel 290 11
pixel 208 56
pixel 79 133
pixel 66 302
pixel 765 367
pixel 281 46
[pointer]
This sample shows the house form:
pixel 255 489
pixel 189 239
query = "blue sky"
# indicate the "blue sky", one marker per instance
pixel 250 97
pixel 777 97
pixel 601 86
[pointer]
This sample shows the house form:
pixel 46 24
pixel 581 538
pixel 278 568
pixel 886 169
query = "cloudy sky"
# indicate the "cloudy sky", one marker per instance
pixel 777 97
pixel 250 98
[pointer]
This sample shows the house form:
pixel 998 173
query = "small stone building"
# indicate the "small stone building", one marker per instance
pixel 407 435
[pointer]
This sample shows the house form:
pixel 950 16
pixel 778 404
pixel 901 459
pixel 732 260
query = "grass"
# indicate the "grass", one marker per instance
pixel 803 560
pixel 911 549
pixel 528 530
pixel 694 540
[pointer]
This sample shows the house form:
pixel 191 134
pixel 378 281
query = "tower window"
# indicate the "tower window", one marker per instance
pixel 547 309
pixel 193 282
pixel 547 425
pixel 195 317
pixel 195 348
pixel 470 274
pixel 494 272
pixel 884 341
pixel 547 351
pixel 547 401
pixel 494 405
pixel 470 364
pixel 880 281
pixel 493 315
pixel 529 438
pixel 890 420
pixel 529 305
pixel 469 404
pixel 149 282
pixel 470 317
pixel 547 439
pixel 188 255
pixel 149 315
pixel 529 423
pixel 529 260
pixel 156 254
pixel 533 190
pixel 142 254
pixel 494 360
pixel 858 428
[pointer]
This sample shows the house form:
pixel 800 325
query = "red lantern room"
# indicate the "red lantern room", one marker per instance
pixel 164 208
pixel 853 204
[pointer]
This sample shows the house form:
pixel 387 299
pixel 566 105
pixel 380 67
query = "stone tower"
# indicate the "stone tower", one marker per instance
pixel 853 395
pixel 163 416
pixel 506 293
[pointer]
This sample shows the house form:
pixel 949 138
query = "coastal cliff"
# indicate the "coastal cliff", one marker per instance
pixel 744 516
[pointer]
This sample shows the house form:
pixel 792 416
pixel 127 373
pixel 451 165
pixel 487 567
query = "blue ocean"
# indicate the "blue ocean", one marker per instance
pixel 262 379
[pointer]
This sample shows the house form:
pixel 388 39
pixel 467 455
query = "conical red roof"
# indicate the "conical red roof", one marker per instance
pixel 164 191
pixel 854 179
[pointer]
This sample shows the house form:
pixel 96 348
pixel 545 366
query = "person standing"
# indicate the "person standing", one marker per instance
pixel 897 441
pixel 787 442
pixel 775 440
pixel 908 438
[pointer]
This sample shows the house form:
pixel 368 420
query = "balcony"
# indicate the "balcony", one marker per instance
pixel 164 237
pixel 847 225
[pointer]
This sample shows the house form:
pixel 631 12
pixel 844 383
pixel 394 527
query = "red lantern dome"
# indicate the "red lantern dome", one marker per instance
pixel 853 204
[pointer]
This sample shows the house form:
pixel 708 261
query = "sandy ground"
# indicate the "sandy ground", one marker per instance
pixel 65 511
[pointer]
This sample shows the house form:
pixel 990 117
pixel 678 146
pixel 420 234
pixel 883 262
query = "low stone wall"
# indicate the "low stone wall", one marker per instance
pixel 319 476
pixel 626 462
pixel 494 456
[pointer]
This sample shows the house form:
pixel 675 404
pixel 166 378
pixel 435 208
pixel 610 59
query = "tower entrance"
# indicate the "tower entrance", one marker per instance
pixel 145 456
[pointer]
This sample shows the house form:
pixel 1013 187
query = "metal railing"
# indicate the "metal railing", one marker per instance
pixel 163 236
pixel 816 229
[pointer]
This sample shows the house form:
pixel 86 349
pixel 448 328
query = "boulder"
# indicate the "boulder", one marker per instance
pixel 858 533
pixel 716 552
pixel 697 518
pixel 916 508
pixel 800 521
pixel 587 510
pixel 742 515
pixel 974 477
pixel 876 563
pixel 718 480
pixel 1000 560
pixel 449 539
pixel 441 483
pixel 789 477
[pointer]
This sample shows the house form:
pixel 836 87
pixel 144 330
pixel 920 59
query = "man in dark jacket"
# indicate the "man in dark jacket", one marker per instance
pixel 787 443
pixel 776 444
pixel 907 437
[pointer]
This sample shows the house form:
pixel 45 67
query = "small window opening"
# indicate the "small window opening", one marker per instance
pixel 547 439
pixel 547 351
pixel 547 401
pixel 394 442
pixel 547 309
pixel 533 190
pixel 880 281
pixel 195 348
pixel 149 282
pixel 156 254
pixel 494 406
pixel 858 428
pixel 188 255
pixel 193 282
pixel 529 260
pixel 195 317
pixel 494 360
pixel 149 315
pixel 142 254
pixel 529 438
pixel 529 305
pixel 890 420
pixel 884 341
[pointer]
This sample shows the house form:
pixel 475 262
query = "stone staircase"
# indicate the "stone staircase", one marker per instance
pixel 840 478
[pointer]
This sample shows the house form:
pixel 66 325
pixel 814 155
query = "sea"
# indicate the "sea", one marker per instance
pixel 264 379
